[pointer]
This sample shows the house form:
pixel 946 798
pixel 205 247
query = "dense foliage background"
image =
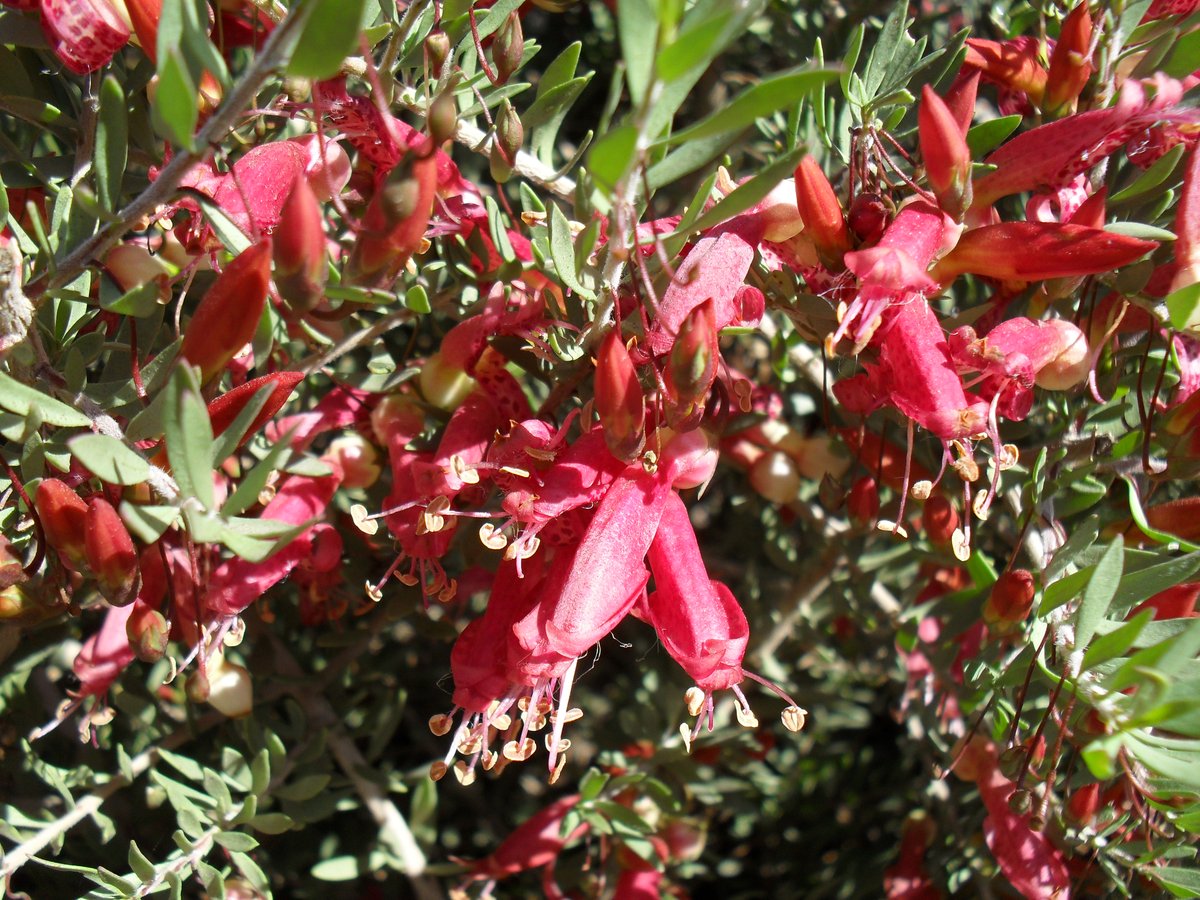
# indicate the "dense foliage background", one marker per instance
pixel 258 724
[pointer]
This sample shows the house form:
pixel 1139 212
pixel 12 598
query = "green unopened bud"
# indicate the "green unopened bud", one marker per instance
pixel 443 116
pixel 508 47
pixel 148 633
pixel 510 134
pixel 437 49
pixel 1020 802
pixel 500 164
pixel 1012 762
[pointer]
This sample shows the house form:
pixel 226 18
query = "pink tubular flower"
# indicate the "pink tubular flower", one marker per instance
pixel 534 843
pixel 83 33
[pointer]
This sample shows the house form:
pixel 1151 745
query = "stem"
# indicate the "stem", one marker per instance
pixel 146 204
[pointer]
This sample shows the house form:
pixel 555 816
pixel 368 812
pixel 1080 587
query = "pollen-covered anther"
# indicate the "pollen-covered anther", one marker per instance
pixel 492 537
pixel 432 521
pixel 447 593
pixel 373 592
pixel 961 545
pixel 894 527
pixel 471 744
pixel 501 722
pixel 694 697
pixel 564 744
pixel 571 715
pixel 488 759
pixel 464 773
pixel 687 734
pixel 438 771
pixel 746 717
pixel 532 217
pixel 794 718
pixel 466 473
pixel 362 519
pixel 441 724
pixel 650 462
pixel 979 506
pixel 408 579
pixel 562 761
pixel 921 490
pixel 1009 456
pixel 967 469
pixel 519 473
pixel 522 549
pixel 520 752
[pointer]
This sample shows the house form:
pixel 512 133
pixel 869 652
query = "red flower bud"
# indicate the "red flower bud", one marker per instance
pixel 144 14
pixel 863 502
pixel 63 515
pixel 299 248
pixel 821 212
pixel 619 402
pixel 944 150
pixel 1083 804
pixel 1070 63
pixel 869 217
pixel 224 409
pixel 692 365
pixel 148 633
pixel 229 313
pixel 110 553
pixel 395 221
pixel 508 47
pixel 1011 598
pixel 940 519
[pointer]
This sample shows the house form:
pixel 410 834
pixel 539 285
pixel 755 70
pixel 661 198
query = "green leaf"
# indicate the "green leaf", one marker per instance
pixel 174 106
pixel 1140 230
pixel 1116 642
pixel 138 302
pixel 563 252
pixel 235 840
pixel 233 238
pixel 1064 590
pixel 697 45
pixel 109 459
pixel 417 299
pixel 747 194
pixel 1180 882
pixel 337 868
pixel 592 784
pixel 246 494
pixel 112 143
pixel 329 36
pixel 189 437
pixel 985 137
pixel 1098 595
pixel 1152 178
pixel 148 523
pixel 691 156
pixel 1139 517
pixel 303 788
pixel 637 26
pixel 612 156
pixel 23 400
pixel 1145 583
pixel 272 823
pixel 1183 308
pixel 759 101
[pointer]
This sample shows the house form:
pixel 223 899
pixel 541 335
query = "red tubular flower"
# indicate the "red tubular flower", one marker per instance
pixel 619 403
pixel 944 150
pixel 1070 63
pixel 299 248
pixel 63 515
pixel 534 843
pixel 692 365
pixel 1013 64
pixel 229 313
pixel 395 222
pixel 110 553
pixel 824 220
pixel 83 33
pixel 698 620
pixel 1034 251
pixel 960 99
pixel 144 14
pixel 105 655
pixel 1187 228
pixel 1083 804
pixel 224 409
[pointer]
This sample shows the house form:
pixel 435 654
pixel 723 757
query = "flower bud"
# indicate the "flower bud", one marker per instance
pixel 692 364
pixel 144 16
pixel 225 409
pixel 510 134
pixel 357 459
pixel 442 117
pixel 1011 598
pixel 863 501
pixel 299 248
pixel 15 603
pixel 508 47
pixel 1020 802
pixel 500 164
pixel 444 384
pixel 869 217
pixel 397 416
pixel 229 688
pixel 1083 804
pixel 148 633
pixel 132 265
pixel 821 212
pixel 437 50
pixel 776 477
pixel 229 313
pixel 110 553
pixel 1073 362
pixel 1012 762
pixel 1070 63
pixel 940 519
pixel 944 150
pixel 620 403
pixel 63 515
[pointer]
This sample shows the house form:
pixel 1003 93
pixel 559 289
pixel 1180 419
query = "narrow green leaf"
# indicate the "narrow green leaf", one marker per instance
pixel 139 302
pixel 637 26
pixel 189 436
pixel 688 158
pixel 109 459
pixel 112 143
pixel 1064 590
pixel 1139 517
pixel 329 36
pixel 1145 583
pixel 1180 882
pixel 236 841
pixel 139 863
pixel 759 101
pixel 23 400
pixel 1183 308
pixel 174 106
pixel 985 137
pixel 1116 642
pixel 1098 594
pixel 246 494
pixel 563 252
pixel 612 156
pixel 148 523
pixel 696 46
pixel 747 194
